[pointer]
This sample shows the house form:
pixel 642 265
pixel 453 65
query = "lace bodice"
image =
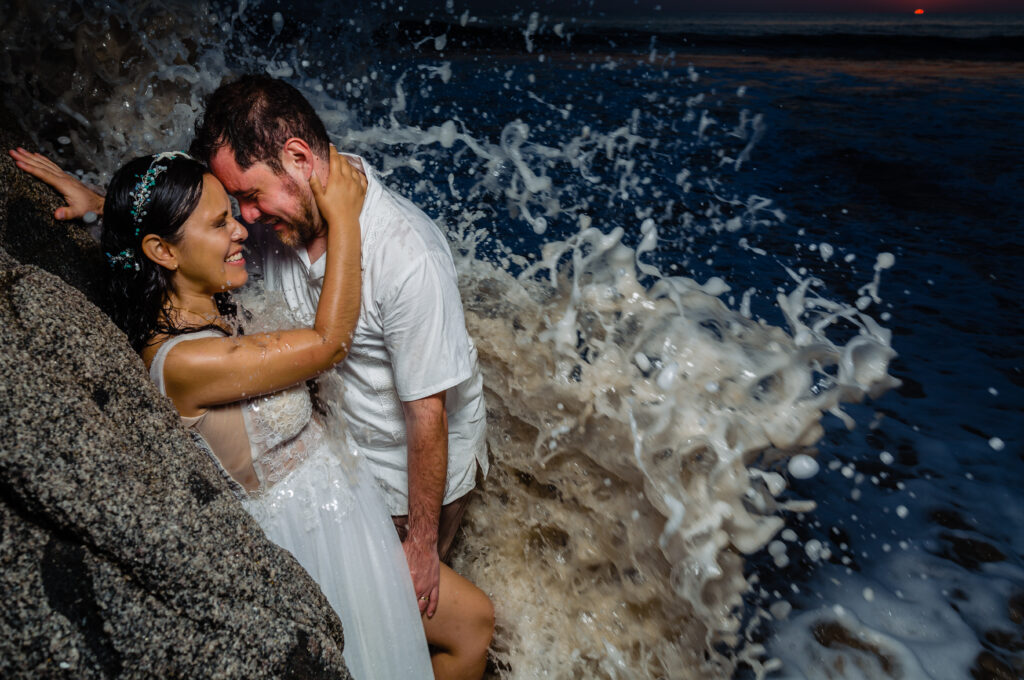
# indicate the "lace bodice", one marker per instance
pixel 277 431
pixel 282 432
pixel 276 418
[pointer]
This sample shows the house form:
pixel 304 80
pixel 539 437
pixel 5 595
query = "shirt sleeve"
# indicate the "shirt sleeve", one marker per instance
pixel 424 328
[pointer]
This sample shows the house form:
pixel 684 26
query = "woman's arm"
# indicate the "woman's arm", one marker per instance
pixel 80 198
pixel 210 371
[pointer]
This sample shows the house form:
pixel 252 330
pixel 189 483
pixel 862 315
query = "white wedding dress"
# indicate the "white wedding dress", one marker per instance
pixel 316 501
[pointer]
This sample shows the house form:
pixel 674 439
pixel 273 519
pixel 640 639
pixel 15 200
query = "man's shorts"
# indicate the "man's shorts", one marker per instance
pixel 451 517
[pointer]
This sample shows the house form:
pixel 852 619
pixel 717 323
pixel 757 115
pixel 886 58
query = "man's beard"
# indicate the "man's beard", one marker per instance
pixel 306 225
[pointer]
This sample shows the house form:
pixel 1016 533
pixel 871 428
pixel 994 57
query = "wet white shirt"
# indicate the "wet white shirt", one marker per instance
pixel 410 341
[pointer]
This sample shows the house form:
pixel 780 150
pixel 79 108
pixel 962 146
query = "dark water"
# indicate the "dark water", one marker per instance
pixel 869 148
pixel 920 158
pixel 761 149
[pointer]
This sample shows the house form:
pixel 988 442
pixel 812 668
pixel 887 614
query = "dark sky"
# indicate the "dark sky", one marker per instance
pixel 846 5
pixel 645 6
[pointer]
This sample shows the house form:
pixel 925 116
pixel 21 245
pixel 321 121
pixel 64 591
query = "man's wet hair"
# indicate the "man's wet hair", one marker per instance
pixel 254 116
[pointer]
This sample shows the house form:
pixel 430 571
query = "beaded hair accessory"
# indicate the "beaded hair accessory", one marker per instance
pixel 140 194
pixel 125 259
pixel 140 199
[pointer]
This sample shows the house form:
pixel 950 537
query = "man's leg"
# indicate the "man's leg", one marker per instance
pixel 461 630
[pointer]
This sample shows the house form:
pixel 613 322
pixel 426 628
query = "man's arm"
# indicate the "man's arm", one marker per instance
pixel 426 425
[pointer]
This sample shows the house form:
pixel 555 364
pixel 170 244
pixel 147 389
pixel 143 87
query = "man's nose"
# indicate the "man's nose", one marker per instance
pixel 249 212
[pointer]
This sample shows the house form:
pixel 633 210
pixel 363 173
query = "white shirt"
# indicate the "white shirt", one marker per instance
pixel 410 341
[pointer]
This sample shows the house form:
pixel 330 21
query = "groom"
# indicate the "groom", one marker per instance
pixel 413 395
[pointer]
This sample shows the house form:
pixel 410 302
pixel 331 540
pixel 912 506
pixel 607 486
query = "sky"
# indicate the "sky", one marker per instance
pixel 625 6
pixel 846 5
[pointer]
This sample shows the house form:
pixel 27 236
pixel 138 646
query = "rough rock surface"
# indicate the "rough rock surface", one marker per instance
pixel 30 236
pixel 122 552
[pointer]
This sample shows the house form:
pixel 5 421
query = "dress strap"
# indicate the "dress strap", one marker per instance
pixel 156 374
pixel 156 369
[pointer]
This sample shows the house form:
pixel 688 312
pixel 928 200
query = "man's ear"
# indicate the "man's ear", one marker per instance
pixel 160 251
pixel 298 154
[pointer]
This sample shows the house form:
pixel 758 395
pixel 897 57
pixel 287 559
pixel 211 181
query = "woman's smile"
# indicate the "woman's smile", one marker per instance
pixel 210 231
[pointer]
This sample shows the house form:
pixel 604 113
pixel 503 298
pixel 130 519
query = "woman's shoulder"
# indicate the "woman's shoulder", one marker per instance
pixel 148 352
pixel 162 343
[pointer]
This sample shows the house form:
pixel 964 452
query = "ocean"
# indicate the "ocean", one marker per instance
pixel 744 289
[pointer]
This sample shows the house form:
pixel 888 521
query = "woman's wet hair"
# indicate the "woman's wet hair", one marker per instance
pixel 148 195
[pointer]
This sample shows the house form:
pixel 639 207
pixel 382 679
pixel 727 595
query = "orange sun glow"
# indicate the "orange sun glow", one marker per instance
pixel 918 11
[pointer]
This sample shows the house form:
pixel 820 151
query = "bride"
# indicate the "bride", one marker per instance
pixel 175 250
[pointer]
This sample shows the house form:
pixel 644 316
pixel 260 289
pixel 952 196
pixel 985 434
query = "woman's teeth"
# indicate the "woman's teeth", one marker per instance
pixel 234 258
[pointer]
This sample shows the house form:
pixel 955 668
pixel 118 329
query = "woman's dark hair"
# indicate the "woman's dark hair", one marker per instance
pixel 148 195
pixel 254 116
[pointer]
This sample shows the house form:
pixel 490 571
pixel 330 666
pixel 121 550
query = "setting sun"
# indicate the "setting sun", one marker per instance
pixel 918 11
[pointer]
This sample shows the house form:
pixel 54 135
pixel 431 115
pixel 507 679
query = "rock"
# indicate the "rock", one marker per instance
pixel 31 236
pixel 122 551
pixel 834 635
